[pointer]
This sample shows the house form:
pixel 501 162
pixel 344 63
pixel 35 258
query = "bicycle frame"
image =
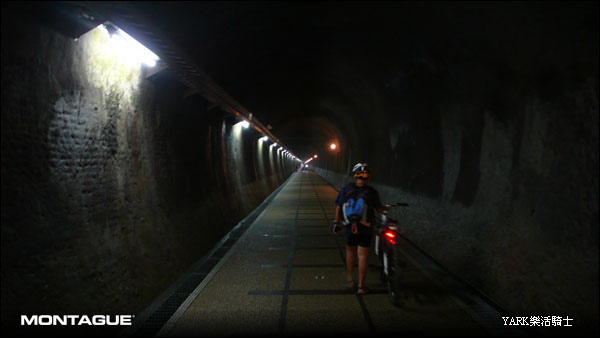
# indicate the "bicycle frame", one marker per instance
pixel 386 247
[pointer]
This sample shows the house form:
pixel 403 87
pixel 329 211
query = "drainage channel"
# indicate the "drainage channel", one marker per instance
pixel 173 301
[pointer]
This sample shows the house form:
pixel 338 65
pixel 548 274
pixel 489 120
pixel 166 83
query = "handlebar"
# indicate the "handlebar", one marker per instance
pixel 398 204
pixel 387 207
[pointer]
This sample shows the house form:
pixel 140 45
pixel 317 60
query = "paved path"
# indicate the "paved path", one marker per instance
pixel 286 274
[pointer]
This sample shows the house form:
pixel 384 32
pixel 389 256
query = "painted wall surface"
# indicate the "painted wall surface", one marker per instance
pixel 112 184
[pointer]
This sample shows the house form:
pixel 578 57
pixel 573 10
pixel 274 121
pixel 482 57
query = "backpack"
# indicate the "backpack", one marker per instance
pixel 355 206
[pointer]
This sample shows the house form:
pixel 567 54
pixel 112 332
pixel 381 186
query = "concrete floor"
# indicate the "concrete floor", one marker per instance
pixel 285 276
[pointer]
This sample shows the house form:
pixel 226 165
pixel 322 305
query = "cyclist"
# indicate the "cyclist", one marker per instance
pixel 358 233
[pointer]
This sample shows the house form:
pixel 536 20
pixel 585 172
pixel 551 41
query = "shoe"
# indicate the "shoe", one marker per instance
pixel 362 290
pixel 350 284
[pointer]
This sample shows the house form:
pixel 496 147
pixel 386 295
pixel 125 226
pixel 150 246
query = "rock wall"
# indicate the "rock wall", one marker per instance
pixel 492 137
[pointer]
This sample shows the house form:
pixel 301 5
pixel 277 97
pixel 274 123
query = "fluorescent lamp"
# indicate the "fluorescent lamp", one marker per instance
pixel 130 49
pixel 244 124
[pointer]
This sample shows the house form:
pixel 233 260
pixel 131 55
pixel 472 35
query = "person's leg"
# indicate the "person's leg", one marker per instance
pixel 350 261
pixel 363 264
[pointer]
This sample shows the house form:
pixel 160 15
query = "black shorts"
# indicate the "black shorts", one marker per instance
pixel 363 238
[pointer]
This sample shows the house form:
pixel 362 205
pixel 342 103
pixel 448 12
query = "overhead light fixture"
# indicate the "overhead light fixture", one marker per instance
pixel 332 146
pixel 244 124
pixel 264 138
pixel 129 48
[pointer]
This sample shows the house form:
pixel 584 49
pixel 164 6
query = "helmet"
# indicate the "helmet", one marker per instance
pixel 361 170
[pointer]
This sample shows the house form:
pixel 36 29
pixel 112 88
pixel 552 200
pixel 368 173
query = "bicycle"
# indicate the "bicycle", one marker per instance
pixel 392 262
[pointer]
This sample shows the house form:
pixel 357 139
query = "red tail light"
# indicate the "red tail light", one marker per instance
pixel 390 235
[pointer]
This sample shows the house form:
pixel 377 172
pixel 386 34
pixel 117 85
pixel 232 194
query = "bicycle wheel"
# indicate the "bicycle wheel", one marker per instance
pixel 382 267
pixel 395 267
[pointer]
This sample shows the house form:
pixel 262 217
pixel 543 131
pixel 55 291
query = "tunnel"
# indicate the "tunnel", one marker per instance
pixel 172 168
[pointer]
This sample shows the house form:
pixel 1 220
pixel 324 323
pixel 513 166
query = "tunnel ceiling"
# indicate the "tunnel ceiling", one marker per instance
pixel 285 62
pixel 289 63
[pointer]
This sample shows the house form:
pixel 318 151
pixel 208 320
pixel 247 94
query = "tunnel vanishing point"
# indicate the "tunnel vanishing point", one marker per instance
pixel 117 176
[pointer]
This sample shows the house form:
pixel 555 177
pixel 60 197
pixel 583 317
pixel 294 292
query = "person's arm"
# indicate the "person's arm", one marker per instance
pixel 338 214
pixel 336 223
pixel 338 205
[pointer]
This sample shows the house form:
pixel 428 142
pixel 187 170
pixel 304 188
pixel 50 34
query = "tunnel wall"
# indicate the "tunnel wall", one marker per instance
pixel 112 184
pixel 492 137
pixel 516 215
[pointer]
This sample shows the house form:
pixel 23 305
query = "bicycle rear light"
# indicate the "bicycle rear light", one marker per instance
pixel 390 235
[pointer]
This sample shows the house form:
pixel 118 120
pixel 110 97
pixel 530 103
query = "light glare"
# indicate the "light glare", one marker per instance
pixel 131 50
pixel 244 124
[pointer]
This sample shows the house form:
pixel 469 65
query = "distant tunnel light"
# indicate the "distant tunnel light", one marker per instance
pixel 332 146
pixel 315 156
pixel 129 48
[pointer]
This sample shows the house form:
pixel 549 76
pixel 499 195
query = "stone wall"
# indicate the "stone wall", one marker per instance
pixel 494 143
pixel 113 184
